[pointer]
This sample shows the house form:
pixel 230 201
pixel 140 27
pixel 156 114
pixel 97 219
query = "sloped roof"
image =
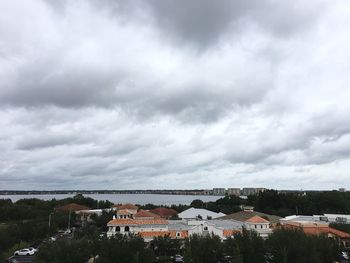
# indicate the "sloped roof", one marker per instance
pixel 317 229
pixel 195 212
pixel 257 219
pixel 129 221
pixel 123 212
pixel 126 206
pixel 164 212
pixel 122 221
pixel 144 213
pixel 154 233
pixel 245 215
pixel 72 207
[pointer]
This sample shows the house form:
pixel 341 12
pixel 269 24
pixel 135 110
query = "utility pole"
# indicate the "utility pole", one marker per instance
pixel 50 221
pixel 70 211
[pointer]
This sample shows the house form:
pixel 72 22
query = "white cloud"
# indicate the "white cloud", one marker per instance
pixel 106 96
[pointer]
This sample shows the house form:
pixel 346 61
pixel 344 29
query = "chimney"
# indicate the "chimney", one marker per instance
pixel 113 217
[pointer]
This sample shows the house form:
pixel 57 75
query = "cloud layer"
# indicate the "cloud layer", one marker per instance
pixel 157 94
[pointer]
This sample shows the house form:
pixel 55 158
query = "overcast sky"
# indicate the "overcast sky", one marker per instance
pixel 164 94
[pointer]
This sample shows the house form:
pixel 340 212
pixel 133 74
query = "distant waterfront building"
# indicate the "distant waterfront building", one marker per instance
pixel 219 191
pixel 234 191
pixel 252 191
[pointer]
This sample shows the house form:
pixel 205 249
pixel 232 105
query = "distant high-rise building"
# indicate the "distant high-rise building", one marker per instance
pixel 252 191
pixel 219 191
pixel 234 191
pixel 342 190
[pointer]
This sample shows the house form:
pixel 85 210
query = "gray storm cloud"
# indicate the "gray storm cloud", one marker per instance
pixel 123 94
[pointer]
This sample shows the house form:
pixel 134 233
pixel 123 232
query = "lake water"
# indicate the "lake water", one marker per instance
pixel 141 199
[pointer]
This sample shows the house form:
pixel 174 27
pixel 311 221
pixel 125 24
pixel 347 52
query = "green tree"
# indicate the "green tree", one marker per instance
pixel 203 249
pixel 251 246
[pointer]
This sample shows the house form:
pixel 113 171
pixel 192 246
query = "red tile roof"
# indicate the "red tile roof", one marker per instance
pixel 122 221
pixel 257 219
pixel 72 207
pixel 129 221
pixel 164 212
pixel 123 212
pixel 144 213
pixel 314 229
pixel 230 232
pixel 126 206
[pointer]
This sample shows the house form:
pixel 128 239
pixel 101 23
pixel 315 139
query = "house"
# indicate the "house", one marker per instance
pixel 130 207
pixel 148 229
pixel 125 211
pixel 260 225
pixel 199 213
pixel 130 220
pixel 318 228
pixel 221 228
pixel 144 215
pixel 248 212
pixel 164 212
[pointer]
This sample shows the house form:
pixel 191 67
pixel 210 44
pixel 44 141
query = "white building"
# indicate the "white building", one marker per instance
pixel 219 191
pixel 234 191
pixel 260 225
pixel 338 218
pixel 146 228
pixel 199 213
pixel 326 218
pixel 221 228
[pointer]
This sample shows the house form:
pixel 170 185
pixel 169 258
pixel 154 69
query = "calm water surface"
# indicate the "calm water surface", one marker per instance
pixel 141 199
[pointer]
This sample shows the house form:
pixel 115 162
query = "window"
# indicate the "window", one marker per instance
pixel 206 228
pixel 127 229
pixel 117 229
pixel 178 234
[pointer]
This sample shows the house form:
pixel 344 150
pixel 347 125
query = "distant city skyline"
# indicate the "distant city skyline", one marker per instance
pixel 161 94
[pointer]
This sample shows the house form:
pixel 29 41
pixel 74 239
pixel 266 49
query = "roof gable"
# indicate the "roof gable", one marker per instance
pixel 257 219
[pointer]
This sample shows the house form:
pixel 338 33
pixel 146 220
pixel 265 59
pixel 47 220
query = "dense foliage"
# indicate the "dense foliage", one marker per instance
pixel 27 220
pixel 291 246
pixel 310 203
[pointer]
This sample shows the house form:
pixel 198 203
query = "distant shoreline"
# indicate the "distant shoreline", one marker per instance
pixel 163 192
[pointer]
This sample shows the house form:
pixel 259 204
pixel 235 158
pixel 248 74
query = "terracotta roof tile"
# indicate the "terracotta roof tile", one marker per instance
pixel 164 212
pixel 245 215
pixel 144 213
pixel 129 221
pixel 257 219
pixel 126 206
pixel 123 212
pixel 122 221
pixel 72 207
pixel 317 229
pixel 183 233
pixel 230 232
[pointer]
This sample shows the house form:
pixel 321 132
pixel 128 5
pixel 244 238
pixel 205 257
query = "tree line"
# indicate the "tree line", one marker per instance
pixel 283 246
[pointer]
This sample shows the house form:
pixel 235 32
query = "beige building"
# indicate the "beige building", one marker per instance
pixel 234 191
